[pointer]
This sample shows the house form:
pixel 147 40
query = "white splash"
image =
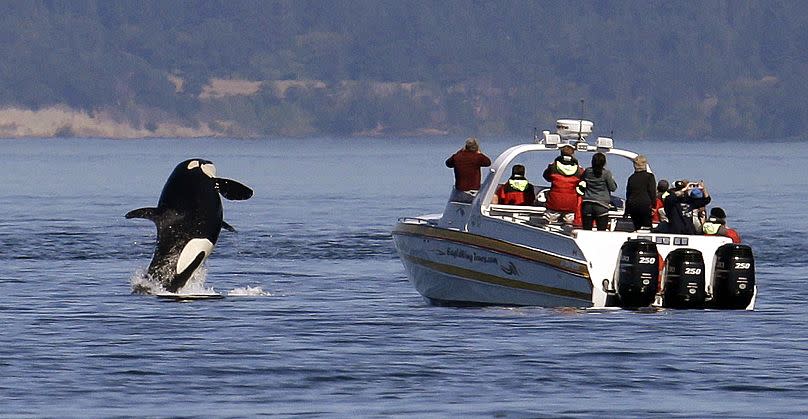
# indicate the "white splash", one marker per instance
pixel 142 283
pixel 248 291
pixel 196 284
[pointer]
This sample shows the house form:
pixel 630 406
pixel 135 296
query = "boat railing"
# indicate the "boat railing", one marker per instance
pixel 515 211
pixel 417 220
pixel 532 216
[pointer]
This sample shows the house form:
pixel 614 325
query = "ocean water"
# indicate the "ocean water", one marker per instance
pixel 319 319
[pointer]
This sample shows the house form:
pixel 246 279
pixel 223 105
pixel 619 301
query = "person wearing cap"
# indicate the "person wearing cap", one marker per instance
pixel 517 191
pixel 596 187
pixel 679 204
pixel 466 163
pixel 716 225
pixel 640 194
pixel 562 199
pixel 567 150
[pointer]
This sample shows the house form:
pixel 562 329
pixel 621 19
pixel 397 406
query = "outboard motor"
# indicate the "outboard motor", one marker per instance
pixel 734 278
pixel 684 279
pixel 638 273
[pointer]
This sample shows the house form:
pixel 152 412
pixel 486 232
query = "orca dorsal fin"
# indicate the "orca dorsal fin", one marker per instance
pixel 147 213
pixel 228 227
pixel 233 190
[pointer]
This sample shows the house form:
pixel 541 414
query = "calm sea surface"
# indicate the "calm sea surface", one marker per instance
pixel 320 319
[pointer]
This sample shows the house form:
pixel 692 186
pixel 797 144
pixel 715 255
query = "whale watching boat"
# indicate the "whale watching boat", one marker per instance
pixel 481 253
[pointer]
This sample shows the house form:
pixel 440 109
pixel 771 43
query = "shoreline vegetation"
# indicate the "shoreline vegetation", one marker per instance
pixel 240 108
pixel 715 69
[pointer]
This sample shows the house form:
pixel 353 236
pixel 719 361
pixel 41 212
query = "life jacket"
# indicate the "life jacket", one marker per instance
pixel 714 228
pixel 563 180
pixel 513 192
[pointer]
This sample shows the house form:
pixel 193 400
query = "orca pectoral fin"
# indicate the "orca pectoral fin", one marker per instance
pixel 147 213
pixel 232 190
pixel 228 227
pixel 181 278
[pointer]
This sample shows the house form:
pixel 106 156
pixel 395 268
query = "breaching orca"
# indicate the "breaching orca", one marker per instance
pixel 188 218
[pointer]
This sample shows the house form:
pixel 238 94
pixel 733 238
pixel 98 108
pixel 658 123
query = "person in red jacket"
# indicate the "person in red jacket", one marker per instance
pixel 517 191
pixel 658 211
pixel 466 163
pixel 563 173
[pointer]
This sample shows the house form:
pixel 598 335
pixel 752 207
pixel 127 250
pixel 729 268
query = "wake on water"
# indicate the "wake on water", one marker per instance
pixel 144 284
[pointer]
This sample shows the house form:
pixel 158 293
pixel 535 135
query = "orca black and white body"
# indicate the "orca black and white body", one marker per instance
pixel 188 218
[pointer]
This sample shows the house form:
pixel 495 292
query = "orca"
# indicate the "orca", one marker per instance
pixel 188 218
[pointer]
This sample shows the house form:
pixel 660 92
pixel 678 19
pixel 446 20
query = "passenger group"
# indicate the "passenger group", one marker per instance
pixel 579 196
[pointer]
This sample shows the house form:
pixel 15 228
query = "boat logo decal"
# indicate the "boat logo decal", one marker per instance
pixel 459 253
pixel 510 269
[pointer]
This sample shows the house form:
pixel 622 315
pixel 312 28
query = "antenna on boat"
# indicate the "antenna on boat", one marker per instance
pixel 581 122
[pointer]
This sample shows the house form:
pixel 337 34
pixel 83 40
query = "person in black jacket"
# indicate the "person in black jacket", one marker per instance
pixel 678 204
pixel 596 187
pixel 640 194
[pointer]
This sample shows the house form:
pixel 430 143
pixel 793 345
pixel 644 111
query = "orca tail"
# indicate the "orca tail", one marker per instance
pixel 181 278
pixel 233 190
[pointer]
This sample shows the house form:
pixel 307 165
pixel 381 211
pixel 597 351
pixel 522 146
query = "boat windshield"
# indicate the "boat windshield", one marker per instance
pixel 536 158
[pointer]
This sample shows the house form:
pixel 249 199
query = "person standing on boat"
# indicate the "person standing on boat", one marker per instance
pixel 641 194
pixel 596 187
pixel 562 199
pixel 680 203
pixel 466 163
pixel 517 191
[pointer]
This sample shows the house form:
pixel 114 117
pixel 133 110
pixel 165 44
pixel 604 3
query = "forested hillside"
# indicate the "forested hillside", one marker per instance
pixel 701 69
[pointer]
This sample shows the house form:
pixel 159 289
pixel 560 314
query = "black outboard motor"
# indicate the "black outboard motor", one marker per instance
pixel 734 278
pixel 684 279
pixel 638 273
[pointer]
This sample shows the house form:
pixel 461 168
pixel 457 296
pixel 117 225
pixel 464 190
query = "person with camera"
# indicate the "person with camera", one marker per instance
pixel 680 202
pixel 467 163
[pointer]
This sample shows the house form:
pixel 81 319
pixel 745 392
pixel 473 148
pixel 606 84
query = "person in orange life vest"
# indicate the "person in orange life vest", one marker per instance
pixel 716 225
pixel 466 163
pixel 517 191
pixel 658 214
pixel 563 173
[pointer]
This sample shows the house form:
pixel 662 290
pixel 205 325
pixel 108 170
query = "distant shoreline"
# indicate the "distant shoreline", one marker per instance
pixel 63 122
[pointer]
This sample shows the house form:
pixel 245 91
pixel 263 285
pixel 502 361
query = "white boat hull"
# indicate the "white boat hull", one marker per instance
pixel 451 267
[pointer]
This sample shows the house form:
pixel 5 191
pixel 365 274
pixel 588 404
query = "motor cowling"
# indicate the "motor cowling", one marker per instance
pixel 684 279
pixel 638 273
pixel 734 278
